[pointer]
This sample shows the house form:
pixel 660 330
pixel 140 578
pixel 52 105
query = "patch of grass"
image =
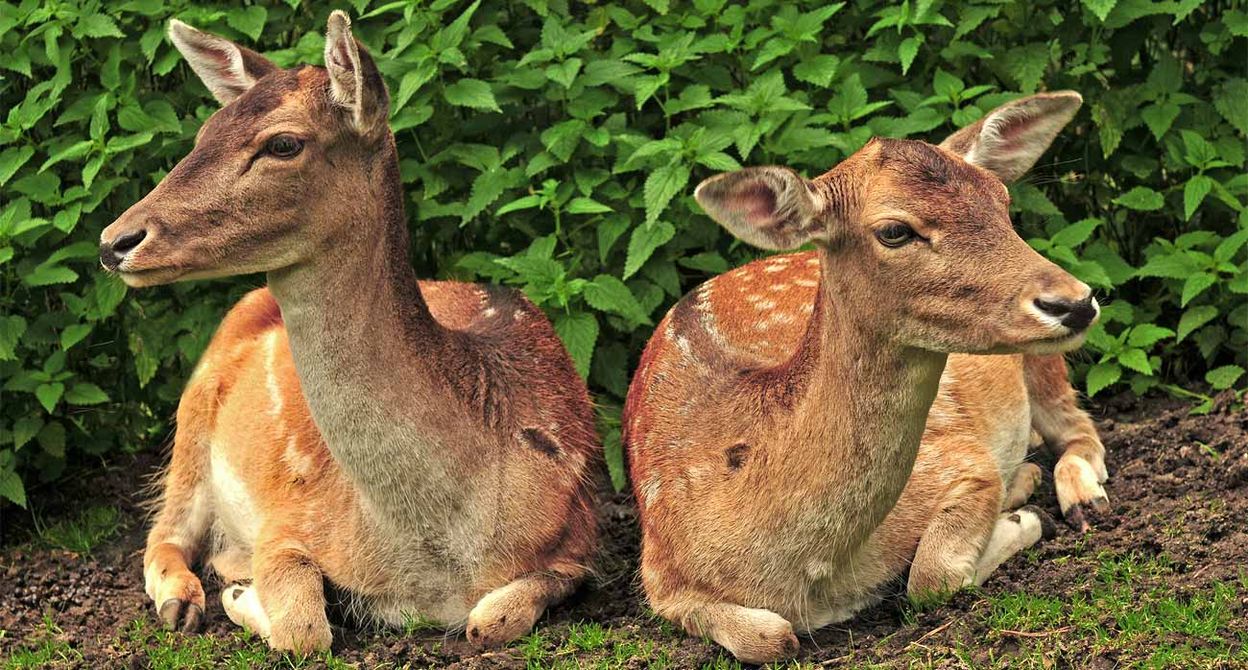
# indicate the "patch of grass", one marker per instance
pixel 165 650
pixel 417 624
pixel 83 533
pixel 1128 614
pixel 586 637
pixel 534 649
pixel 51 651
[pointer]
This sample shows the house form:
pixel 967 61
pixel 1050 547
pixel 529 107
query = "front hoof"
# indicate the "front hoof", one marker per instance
pixel 181 615
pixel 1080 515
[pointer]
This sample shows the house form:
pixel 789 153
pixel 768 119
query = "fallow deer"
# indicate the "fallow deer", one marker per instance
pixel 775 419
pixel 425 447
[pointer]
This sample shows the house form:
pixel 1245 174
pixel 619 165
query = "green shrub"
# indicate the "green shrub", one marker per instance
pixel 554 145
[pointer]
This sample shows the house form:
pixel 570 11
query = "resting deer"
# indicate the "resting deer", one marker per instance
pixel 424 446
pixel 775 419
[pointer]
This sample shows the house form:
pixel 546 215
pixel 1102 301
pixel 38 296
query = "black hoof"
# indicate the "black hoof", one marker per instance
pixel 1048 527
pixel 180 615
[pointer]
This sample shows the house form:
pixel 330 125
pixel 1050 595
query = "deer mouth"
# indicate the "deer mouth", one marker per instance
pixel 142 278
pixel 1057 344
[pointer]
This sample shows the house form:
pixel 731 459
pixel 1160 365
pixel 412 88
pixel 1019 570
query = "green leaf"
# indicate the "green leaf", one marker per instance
pixel 11 329
pixel 472 93
pixel 52 439
pixel 819 70
pixel 1135 359
pixel 1194 318
pixel 1230 245
pixel 49 394
pixel 661 186
pixel 248 20
pixel 1224 377
pixel 1101 376
pixel 11 160
pixel 85 393
pixel 907 50
pixel 73 334
pixel 1100 8
pixel 97 25
pixel 11 488
pixel 45 275
pixel 608 232
pixel 1176 265
pixel 1141 198
pixel 1230 99
pixel 583 205
pixel 1146 335
pixel 1076 233
pixel 25 429
pixel 579 333
pixel 1027 65
pixel 1194 192
pixel 613 452
pixel 1195 285
pixel 644 240
pixel 608 294
pixel 1159 117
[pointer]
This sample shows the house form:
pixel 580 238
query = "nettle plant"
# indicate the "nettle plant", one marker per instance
pixel 554 145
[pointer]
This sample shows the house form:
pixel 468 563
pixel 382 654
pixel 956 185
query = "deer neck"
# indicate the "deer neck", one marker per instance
pixel 862 415
pixel 366 347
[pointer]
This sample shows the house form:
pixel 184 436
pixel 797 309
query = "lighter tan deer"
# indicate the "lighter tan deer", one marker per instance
pixel 424 446
pixel 774 423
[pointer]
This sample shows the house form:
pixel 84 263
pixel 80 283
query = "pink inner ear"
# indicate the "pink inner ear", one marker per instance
pixel 219 56
pixel 342 57
pixel 756 202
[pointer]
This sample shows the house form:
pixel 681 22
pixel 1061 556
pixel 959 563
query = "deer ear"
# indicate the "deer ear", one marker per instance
pixel 768 207
pixel 354 81
pixel 227 69
pixel 1011 138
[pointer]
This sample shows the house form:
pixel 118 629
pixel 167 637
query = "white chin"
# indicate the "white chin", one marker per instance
pixel 1056 345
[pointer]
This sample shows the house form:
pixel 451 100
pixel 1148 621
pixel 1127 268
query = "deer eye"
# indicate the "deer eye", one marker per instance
pixel 283 146
pixel 895 234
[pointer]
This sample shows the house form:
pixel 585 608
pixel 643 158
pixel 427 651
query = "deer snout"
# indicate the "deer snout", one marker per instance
pixel 114 251
pixel 1077 315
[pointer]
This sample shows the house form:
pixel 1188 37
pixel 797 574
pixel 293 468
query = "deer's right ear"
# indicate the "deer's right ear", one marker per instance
pixel 769 207
pixel 227 69
pixel 354 81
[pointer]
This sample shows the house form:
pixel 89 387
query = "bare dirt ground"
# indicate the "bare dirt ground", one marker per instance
pixel 1162 581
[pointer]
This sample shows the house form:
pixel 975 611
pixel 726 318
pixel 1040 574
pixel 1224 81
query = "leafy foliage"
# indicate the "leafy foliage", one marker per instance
pixel 554 145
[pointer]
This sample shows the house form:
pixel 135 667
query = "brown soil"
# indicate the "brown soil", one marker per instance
pixel 1178 489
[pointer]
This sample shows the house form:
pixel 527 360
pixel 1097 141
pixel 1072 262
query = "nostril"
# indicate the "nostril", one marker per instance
pixel 124 244
pixel 1081 315
pixel 1055 308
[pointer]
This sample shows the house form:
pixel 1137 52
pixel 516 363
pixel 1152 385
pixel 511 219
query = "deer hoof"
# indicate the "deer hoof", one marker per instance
pixel 181 615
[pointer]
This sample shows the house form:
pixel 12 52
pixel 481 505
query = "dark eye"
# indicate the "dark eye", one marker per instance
pixel 284 146
pixel 895 234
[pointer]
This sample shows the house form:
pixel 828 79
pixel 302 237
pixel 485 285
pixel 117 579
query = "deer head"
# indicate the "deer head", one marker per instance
pixel 925 233
pixel 280 173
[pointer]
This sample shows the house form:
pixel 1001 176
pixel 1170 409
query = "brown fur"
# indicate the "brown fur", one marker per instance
pixel 425 446
pixel 825 364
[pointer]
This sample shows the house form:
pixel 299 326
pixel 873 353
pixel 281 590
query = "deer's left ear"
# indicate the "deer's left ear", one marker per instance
pixel 1011 138
pixel 227 69
pixel 354 81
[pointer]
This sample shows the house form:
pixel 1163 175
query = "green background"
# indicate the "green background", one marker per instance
pixel 555 146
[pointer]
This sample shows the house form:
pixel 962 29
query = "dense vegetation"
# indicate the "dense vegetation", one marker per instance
pixel 554 145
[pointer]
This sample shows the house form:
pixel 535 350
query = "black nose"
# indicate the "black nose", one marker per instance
pixel 113 253
pixel 1074 314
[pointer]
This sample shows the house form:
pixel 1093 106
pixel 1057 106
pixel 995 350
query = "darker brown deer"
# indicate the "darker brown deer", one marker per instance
pixel 774 423
pixel 424 447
